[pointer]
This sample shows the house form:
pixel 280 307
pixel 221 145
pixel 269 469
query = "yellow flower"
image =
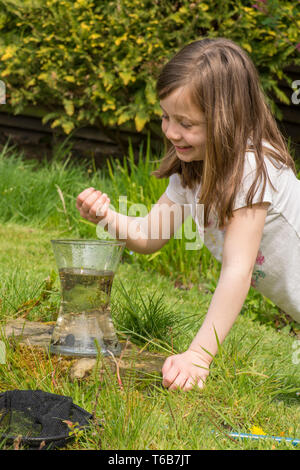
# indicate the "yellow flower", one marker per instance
pixel 257 430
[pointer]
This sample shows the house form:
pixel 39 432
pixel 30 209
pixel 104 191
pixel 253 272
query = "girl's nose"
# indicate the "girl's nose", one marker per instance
pixel 172 132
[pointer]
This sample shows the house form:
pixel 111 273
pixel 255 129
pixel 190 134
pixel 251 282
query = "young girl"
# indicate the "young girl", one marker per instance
pixel 225 152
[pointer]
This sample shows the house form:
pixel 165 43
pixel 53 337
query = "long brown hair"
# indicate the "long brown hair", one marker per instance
pixel 224 83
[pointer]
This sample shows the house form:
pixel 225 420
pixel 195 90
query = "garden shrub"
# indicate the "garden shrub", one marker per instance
pixel 95 62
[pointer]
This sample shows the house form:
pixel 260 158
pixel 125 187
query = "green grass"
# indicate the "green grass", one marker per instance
pixel 45 196
pixel 253 379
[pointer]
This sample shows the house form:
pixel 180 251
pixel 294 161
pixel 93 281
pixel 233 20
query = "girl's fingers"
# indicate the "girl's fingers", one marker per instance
pixel 179 382
pixel 170 377
pixel 167 365
pixel 92 213
pixel 82 196
pixel 201 383
pixel 190 383
pixel 103 211
pixel 99 208
pixel 90 201
pixel 174 378
pixel 92 204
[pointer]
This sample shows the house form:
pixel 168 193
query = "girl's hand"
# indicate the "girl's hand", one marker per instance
pixel 185 370
pixel 93 205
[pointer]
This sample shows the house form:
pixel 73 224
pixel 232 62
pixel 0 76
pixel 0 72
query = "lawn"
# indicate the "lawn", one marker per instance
pixel 253 381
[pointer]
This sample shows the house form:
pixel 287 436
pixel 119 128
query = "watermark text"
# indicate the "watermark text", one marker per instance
pixel 161 223
pixel 2 92
pixel 296 94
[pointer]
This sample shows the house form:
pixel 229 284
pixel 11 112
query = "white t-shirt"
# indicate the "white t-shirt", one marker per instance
pixel 276 273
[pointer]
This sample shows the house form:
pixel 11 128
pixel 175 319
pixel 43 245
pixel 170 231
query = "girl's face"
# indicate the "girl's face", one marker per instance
pixel 184 125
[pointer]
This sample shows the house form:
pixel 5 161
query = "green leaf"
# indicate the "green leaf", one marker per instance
pixel 281 95
pixel 150 93
pixel 140 120
pixel 127 77
pixel 68 126
pixel 69 107
pixel 49 116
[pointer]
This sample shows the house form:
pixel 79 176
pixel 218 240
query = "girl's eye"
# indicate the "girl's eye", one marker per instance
pixel 186 125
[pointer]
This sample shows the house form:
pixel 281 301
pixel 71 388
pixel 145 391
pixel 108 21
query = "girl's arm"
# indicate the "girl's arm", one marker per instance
pixel 241 245
pixel 142 234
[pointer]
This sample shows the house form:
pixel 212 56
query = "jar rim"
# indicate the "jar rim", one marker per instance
pixel 88 242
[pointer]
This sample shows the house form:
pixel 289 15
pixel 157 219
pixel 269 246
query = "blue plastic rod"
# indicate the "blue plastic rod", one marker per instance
pixel 242 435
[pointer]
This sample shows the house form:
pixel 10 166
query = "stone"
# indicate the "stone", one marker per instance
pixel 133 359
pixel 30 332
pixel 82 367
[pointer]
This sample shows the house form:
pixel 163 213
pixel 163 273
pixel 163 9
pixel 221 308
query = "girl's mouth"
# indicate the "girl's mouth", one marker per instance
pixel 182 149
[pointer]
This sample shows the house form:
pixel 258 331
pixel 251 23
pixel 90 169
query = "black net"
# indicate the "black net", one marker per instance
pixel 39 416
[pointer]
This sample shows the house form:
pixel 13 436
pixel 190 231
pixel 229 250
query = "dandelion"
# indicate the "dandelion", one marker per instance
pixel 257 430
